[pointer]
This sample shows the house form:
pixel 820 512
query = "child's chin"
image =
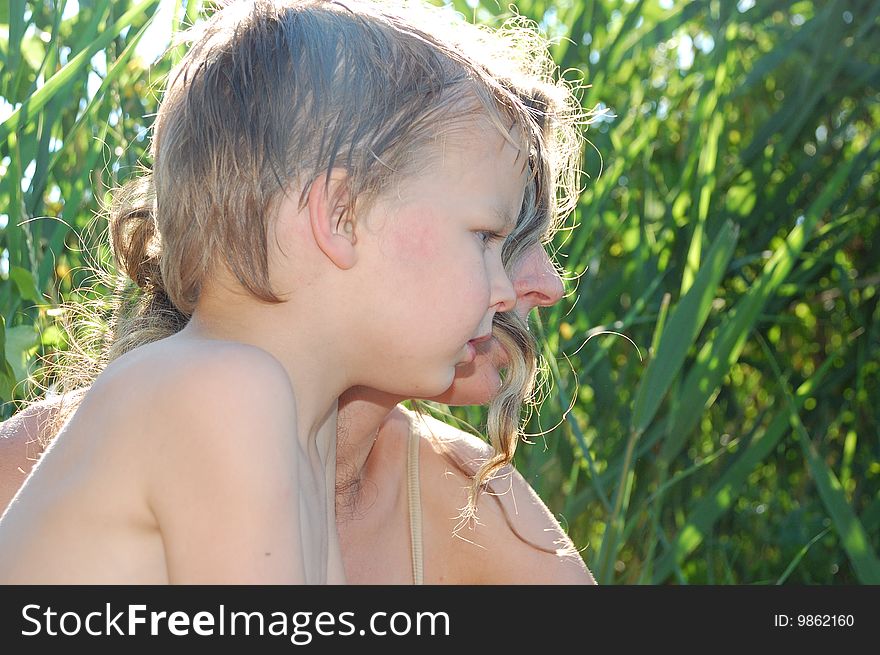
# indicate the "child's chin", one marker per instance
pixel 477 386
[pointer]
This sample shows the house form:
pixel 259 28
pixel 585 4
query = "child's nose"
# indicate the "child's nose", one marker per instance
pixel 504 296
pixel 536 282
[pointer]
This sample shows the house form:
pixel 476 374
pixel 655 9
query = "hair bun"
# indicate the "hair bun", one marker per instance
pixel 134 237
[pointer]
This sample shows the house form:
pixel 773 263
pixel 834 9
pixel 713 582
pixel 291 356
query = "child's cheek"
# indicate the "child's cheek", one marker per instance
pixel 414 238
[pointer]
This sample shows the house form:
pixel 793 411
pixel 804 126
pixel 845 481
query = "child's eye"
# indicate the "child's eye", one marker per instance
pixel 489 237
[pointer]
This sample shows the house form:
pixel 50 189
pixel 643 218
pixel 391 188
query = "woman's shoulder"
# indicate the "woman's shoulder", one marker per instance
pixel 515 539
pixel 20 446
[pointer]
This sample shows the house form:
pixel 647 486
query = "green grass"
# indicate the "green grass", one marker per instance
pixel 732 238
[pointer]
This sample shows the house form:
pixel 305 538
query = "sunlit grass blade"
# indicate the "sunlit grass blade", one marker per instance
pixel 719 498
pixel 718 354
pixel 72 69
pixel 847 525
pixel 7 375
pixel 800 555
pixel 685 322
pixel 113 77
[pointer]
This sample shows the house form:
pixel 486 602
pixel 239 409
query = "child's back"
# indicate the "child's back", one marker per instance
pixel 137 475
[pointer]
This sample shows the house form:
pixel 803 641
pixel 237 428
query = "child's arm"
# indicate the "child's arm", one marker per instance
pixel 225 489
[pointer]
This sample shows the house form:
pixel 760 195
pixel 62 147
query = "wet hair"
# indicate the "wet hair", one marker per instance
pixel 273 94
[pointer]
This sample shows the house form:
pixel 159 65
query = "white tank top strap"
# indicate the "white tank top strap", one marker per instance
pixel 415 504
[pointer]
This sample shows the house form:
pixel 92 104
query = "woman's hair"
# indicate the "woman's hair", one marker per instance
pixel 273 94
pixel 547 200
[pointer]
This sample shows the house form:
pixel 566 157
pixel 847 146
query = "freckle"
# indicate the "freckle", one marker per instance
pixel 267 554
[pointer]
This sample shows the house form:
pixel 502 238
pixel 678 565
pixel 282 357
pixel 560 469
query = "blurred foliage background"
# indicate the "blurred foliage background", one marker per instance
pixel 728 229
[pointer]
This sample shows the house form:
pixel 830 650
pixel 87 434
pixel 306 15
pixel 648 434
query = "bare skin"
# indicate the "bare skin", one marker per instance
pixel 66 528
pixel 372 515
pixel 374 527
pixel 373 521
pixel 241 490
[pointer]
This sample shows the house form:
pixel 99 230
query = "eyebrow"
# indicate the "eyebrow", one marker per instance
pixel 509 222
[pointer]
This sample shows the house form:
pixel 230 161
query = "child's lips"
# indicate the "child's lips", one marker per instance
pixel 471 353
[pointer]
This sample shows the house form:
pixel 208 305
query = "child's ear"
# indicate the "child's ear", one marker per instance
pixel 331 223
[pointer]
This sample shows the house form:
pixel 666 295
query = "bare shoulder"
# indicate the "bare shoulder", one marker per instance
pixel 223 462
pixel 20 446
pixel 152 396
pixel 214 396
pixel 515 540
pixel 211 365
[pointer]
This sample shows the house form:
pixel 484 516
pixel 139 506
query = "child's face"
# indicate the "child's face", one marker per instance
pixel 537 284
pixel 441 274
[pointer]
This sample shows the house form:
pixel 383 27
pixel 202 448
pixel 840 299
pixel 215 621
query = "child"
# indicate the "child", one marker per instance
pixel 332 187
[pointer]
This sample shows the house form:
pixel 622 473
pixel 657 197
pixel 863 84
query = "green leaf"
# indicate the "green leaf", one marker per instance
pixel 850 530
pixel 24 280
pixel 58 81
pixel 52 337
pixel 719 354
pixel 682 328
pixel 20 343
pixel 7 375
pixel 799 556
pixel 112 77
pixel 703 513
